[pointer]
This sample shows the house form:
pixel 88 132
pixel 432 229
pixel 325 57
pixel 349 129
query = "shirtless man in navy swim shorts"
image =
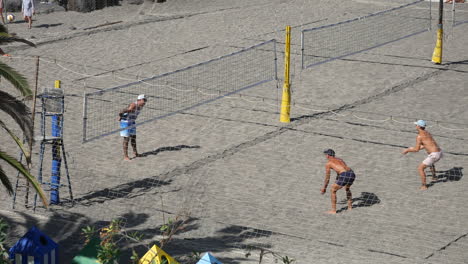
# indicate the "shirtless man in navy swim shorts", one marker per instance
pixel 345 178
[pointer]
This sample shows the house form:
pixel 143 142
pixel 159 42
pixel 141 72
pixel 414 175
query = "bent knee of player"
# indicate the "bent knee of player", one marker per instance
pixel 335 187
pixel 422 167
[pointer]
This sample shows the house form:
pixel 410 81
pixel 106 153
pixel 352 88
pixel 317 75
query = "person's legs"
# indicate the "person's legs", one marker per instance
pixel 349 196
pixel 422 174
pixel 134 146
pixel 28 20
pixel 334 188
pixel 125 148
pixel 433 170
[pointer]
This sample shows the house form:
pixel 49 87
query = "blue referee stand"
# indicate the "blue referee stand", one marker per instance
pixel 34 248
pixel 53 111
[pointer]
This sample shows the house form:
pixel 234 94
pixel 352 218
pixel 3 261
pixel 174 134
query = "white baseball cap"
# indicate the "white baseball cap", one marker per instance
pixel 141 97
pixel 420 123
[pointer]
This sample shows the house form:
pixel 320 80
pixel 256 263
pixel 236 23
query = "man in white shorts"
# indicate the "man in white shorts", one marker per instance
pixel 424 140
pixel 127 118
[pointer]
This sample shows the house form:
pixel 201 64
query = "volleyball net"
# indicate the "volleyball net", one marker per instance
pixel 330 42
pixel 180 90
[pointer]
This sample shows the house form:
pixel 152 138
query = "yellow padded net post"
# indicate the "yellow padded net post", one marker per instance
pixel 286 98
pixel 437 55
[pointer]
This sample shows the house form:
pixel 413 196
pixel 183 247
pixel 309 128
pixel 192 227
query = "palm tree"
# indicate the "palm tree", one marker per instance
pixel 20 114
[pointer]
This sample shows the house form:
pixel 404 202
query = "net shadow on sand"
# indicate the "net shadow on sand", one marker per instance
pixel 453 174
pixel 127 190
pixel 162 149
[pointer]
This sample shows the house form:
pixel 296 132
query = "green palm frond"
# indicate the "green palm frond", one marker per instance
pixel 18 142
pixel 15 78
pixel 5 181
pixel 19 112
pixel 19 166
pixel 7 38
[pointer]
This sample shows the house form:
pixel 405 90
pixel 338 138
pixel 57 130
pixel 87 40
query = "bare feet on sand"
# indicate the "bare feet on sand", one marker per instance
pixel 331 212
pixel 423 188
pixel 127 159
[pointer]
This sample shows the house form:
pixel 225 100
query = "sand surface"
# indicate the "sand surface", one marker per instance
pixel 245 179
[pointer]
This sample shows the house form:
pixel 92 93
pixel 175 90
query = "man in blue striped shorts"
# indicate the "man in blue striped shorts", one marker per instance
pixel 345 178
pixel 127 118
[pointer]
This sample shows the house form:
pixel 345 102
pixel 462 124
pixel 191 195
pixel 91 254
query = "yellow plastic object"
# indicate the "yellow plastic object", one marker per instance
pixel 437 55
pixel 157 256
pixel 57 84
pixel 286 98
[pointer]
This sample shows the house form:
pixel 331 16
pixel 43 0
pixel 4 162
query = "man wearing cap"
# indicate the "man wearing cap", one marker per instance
pixel 127 118
pixel 424 140
pixel 344 178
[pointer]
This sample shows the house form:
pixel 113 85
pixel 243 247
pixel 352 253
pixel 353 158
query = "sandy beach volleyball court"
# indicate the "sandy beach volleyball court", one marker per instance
pixel 245 180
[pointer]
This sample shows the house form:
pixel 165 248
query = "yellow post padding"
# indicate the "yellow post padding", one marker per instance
pixel 57 83
pixel 156 256
pixel 437 55
pixel 286 98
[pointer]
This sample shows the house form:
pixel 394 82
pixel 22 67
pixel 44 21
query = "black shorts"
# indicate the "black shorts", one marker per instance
pixel 346 178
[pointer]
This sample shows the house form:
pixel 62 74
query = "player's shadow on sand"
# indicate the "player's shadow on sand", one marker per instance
pixel 365 200
pixel 175 148
pixel 454 174
pixel 48 25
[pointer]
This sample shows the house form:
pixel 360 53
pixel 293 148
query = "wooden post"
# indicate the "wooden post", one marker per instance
pixel 33 115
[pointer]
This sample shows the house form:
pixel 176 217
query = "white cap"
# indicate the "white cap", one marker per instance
pixel 141 96
pixel 420 123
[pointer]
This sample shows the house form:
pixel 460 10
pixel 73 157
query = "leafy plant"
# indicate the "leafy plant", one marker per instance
pixel 89 232
pixel 110 236
pixel 263 252
pixel 134 258
pixel 194 257
pixel 4 258
pixel 108 253
pixel 287 260
pixel 170 228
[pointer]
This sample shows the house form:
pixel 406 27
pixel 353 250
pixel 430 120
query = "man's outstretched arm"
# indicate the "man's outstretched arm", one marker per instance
pixel 327 179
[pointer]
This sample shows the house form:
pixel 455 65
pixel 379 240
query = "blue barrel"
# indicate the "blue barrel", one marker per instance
pixel 56 161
